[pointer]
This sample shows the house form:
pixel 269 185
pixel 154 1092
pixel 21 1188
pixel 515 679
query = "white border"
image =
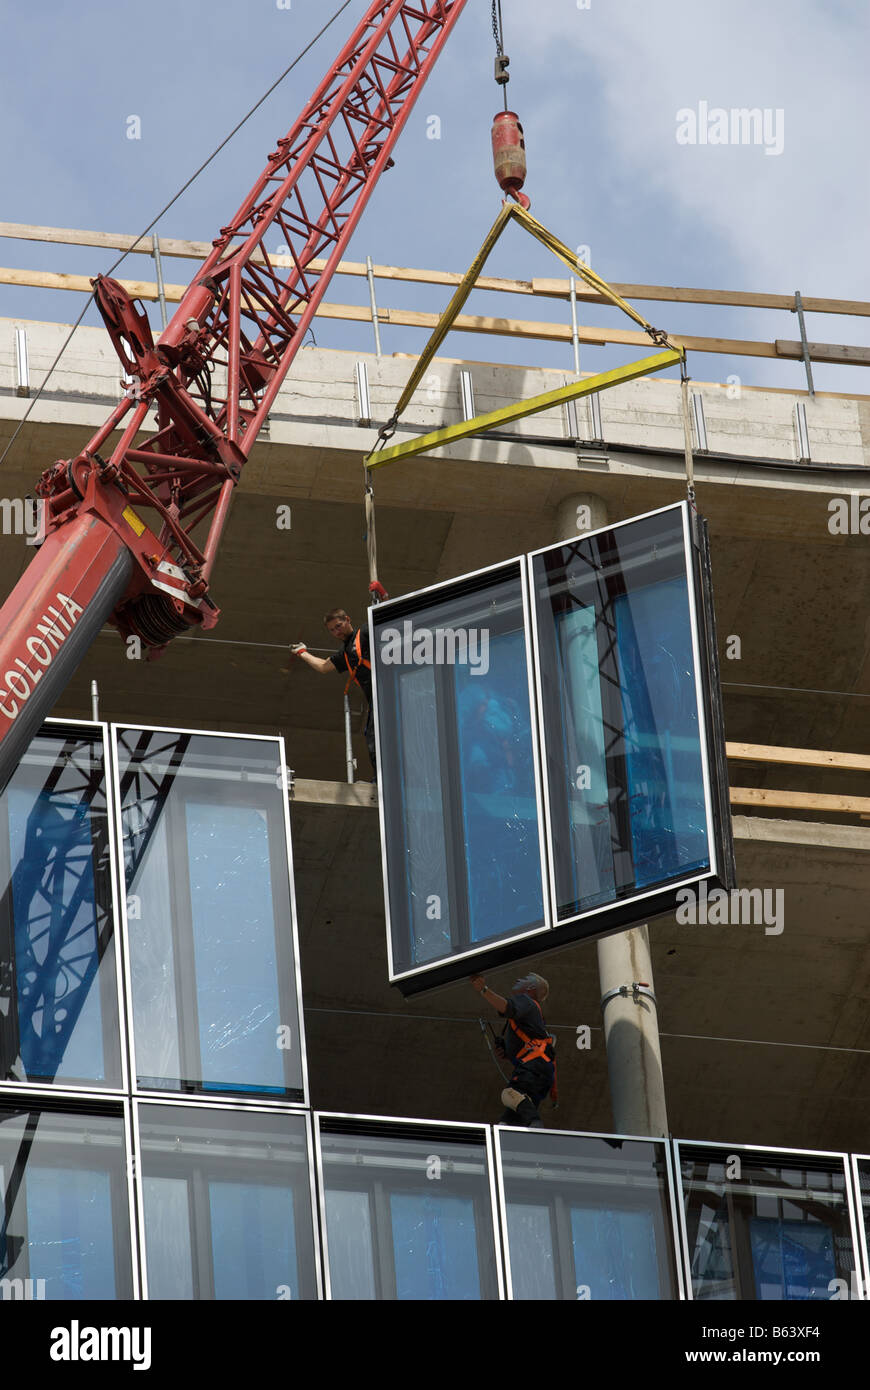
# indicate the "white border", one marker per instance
pixel 529 933
pixel 775 1152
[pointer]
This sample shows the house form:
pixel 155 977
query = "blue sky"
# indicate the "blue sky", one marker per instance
pixel 598 88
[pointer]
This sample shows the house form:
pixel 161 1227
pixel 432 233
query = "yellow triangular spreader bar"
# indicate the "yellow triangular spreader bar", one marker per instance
pixel 423 443
pixel 512 212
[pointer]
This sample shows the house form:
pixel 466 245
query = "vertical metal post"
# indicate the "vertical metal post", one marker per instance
pixel 22 384
pixel 95 702
pixel 370 275
pixel 700 420
pixel 575 336
pixel 161 295
pixel 802 433
pixel 363 395
pixel 466 393
pixel 799 310
pixel 348 745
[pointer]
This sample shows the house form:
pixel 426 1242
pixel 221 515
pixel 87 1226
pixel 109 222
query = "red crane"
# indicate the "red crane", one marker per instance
pixel 121 517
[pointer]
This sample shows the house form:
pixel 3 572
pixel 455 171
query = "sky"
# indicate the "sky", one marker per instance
pixel 612 95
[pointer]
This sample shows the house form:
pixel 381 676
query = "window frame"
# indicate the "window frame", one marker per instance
pixel 112 1003
pixel 775 1156
pixel 563 1246
pixel 286 952
pixel 379 1125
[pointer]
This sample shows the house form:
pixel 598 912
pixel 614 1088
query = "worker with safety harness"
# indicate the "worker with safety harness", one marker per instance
pixel 527 1045
pixel 354 660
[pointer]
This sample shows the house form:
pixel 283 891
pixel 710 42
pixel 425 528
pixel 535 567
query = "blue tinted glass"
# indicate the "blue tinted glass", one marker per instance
pixel 408 1213
pixel 615 1253
pixel 792 1259
pixel 766 1226
pixel 69 1222
pixel 56 917
pixel 227 1204
pixel 588 1218
pixel 622 728
pixel 64 1215
pixel 246 1265
pixel 209 913
pixel 458 780
pixel 234 946
pixel 435 1247
pixel 500 813
pixel 662 737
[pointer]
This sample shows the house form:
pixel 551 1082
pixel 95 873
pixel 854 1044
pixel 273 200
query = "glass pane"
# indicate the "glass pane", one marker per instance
pixel 765 1226
pixel 623 733
pixel 587 1218
pixel 209 914
pixel 408 1214
pixel 227 1204
pixel 65 1232
pixel 58 983
pixel 458 781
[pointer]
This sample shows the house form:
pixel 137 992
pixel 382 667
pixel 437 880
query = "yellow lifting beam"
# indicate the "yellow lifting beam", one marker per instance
pixel 513 212
pixel 423 443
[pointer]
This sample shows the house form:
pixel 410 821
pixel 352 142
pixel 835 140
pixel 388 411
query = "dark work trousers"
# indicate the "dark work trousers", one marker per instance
pixel 535 1080
pixel 369 732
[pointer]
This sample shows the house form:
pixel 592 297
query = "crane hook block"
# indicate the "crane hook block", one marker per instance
pixel 509 155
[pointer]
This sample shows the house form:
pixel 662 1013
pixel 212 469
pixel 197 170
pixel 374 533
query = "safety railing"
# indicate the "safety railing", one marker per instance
pixel 799 349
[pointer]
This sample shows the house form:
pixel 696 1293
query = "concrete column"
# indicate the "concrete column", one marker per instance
pixel 631 1030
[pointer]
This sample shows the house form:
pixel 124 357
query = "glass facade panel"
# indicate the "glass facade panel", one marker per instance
pixel 407 1212
pixel 209 912
pixel 625 772
pixel 227 1201
pixel 58 974
pixel 458 780
pixel 65 1222
pixel 587 1217
pixel 765 1225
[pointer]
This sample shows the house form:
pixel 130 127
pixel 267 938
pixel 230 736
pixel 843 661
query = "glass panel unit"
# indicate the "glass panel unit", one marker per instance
pixel 58 974
pixel 587 1217
pixel 765 1225
pixel 407 1212
pixel 227 1204
pixel 862 1194
pixel 624 730
pixel 209 913
pixel 458 778
pixel 64 1212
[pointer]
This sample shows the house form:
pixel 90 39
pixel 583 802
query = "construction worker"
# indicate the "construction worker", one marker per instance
pixel 354 660
pixel 527 1045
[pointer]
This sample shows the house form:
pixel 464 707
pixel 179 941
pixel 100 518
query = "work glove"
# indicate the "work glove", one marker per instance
pixel 377 588
pixel 297 647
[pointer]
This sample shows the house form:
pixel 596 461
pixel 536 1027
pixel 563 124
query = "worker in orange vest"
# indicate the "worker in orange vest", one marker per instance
pixel 354 659
pixel 527 1045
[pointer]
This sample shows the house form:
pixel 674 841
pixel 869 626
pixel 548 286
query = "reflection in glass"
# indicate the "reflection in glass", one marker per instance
pixel 227 1204
pixel 209 914
pixel 587 1218
pixel 623 741
pixel 458 770
pixel 64 1217
pixel 408 1213
pixel 765 1226
pixel 58 992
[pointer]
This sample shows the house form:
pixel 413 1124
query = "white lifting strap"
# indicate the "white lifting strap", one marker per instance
pixel 687 431
pixel 371 539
